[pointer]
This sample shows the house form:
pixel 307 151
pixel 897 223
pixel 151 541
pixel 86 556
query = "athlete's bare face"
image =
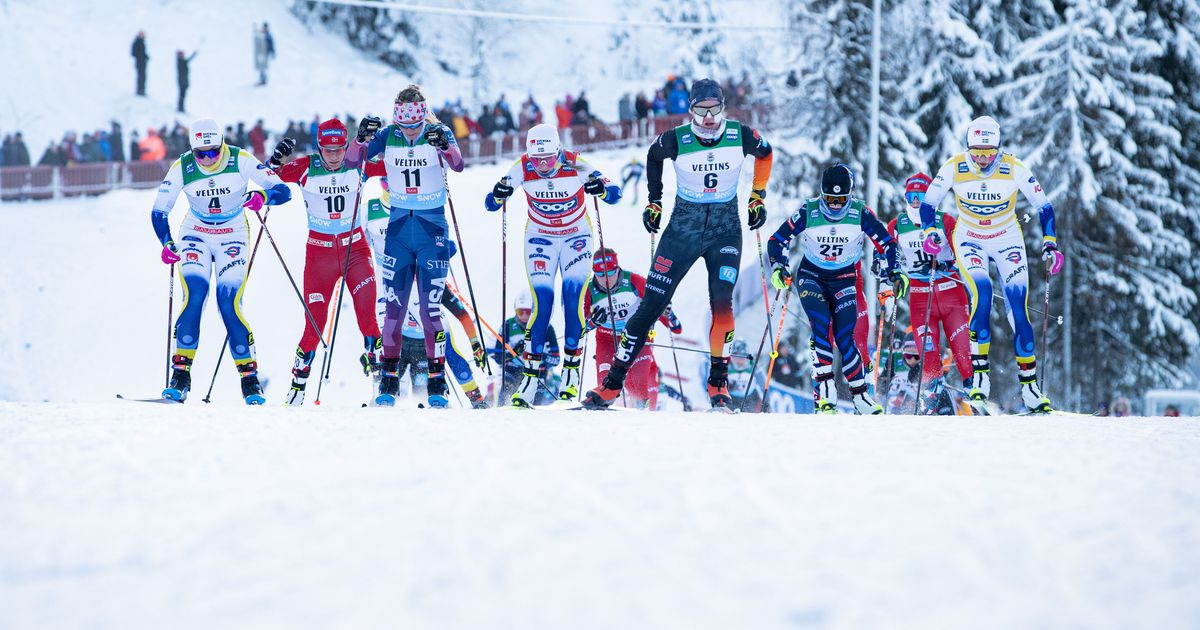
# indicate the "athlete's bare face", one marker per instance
pixel 607 281
pixel 523 315
pixel 333 157
pixel 412 134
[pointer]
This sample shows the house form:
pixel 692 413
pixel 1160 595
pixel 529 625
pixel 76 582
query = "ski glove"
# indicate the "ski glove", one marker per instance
pixel 479 353
pixel 652 217
pixel 254 200
pixel 781 278
pixel 169 255
pixel 368 126
pixel 436 136
pixel 1053 258
pixel 594 186
pixel 758 210
pixel 932 244
pixel 676 325
pixel 900 282
pixel 502 190
pixel 282 150
pixel 598 317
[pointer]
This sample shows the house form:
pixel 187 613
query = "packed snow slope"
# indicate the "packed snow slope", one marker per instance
pixel 128 515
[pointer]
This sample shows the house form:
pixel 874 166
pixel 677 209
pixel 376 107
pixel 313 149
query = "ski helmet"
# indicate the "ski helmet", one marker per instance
pixel 604 261
pixel 205 133
pixel 543 148
pixel 983 132
pixel 837 187
pixel 331 133
pixel 524 301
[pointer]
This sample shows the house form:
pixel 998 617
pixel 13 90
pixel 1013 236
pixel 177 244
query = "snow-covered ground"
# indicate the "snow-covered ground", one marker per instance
pixel 127 515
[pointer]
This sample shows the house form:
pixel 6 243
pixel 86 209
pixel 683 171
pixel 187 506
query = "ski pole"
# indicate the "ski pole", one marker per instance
pixel 504 277
pixel 170 316
pixel 762 266
pixel 249 266
pixel 462 252
pixel 1058 319
pixel 925 337
pixel 312 321
pixel 761 343
pixel 612 324
pixel 327 359
pixel 879 326
pixel 774 350
pixel 891 339
pixel 1045 323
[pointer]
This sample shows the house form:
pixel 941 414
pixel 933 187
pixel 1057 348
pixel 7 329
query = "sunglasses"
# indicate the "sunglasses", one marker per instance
pixel 714 110
pixel 205 154
pixel 983 152
pixel 914 196
pixel 544 162
pixel 912 357
pixel 411 125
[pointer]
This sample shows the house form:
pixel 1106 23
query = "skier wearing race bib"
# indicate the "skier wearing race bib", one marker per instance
pixel 612 298
pixel 832 228
pixel 745 379
pixel 927 273
pixel 213 241
pixel 416 151
pixel 708 154
pixel 510 348
pixel 558 239
pixel 331 190
pixel 985 182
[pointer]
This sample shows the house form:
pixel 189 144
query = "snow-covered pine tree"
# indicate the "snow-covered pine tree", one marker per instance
pixel 1082 113
pixel 386 33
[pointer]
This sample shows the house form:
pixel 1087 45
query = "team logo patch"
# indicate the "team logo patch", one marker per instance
pixel 193 256
pixel 539 265
pixel 579 244
pixel 729 250
pixel 233 251
pixel 962 167
pixel 1014 257
pixel 975 261
pixel 729 337
pixel 315 297
pixel 728 274
pixel 662 265
pixel 539 241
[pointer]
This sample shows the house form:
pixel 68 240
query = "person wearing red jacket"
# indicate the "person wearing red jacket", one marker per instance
pixel 949 307
pixel 331 193
pixel 612 297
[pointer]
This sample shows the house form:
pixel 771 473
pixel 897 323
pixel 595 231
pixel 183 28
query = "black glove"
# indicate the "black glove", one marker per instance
pixel 652 217
pixel 436 136
pixel 502 190
pixel 282 150
pixel 757 209
pixel 368 126
pixel 594 186
pixel 598 317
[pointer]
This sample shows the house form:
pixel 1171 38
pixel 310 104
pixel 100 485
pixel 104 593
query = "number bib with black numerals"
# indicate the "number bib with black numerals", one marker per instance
pixel 213 197
pixel 708 174
pixel 831 244
pixel 330 197
pixel 625 301
pixel 414 173
pixel 912 255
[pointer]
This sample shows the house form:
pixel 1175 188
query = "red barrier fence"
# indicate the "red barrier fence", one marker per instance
pixel 48 182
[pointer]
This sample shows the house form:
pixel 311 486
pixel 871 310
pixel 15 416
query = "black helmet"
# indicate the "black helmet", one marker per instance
pixel 837 180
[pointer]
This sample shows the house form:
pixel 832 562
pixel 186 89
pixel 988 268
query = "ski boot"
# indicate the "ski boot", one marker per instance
pixel 1031 394
pixel 300 372
pixel 607 391
pixel 436 387
pixel 527 391
pixel 252 391
pixel 389 382
pixel 478 400
pixel 981 382
pixel 718 385
pixel 826 392
pixel 370 359
pixel 181 378
pixel 863 403
pixel 570 376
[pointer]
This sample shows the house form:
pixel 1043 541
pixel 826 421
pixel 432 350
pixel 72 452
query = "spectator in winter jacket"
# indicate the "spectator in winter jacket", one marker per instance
pixel 181 75
pixel 138 52
pixel 625 108
pixel 563 113
pixel 581 114
pixel 117 141
pixel 677 99
pixel 152 147
pixel 135 147
pixel 258 138
pixel 659 105
pixel 264 51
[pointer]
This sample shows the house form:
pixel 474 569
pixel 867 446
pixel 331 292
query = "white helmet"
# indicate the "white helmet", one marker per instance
pixel 983 132
pixel 542 140
pixel 524 301
pixel 205 133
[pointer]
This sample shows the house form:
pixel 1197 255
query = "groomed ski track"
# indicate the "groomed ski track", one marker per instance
pixel 117 514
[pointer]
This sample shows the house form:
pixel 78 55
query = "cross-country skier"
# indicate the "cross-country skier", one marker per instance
pixel 708 154
pixel 632 172
pixel 331 190
pixel 949 302
pixel 832 228
pixel 745 380
pixel 510 350
pixel 558 239
pixel 612 297
pixel 416 151
pixel 985 182
pixel 213 242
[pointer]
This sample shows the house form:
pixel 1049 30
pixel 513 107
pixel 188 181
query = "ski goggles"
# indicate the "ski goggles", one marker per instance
pixel 544 163
pixel 409 115
pixel 983 152
pixel 910 197
pixel 206 154
pixel 712 110
pixel 835 200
